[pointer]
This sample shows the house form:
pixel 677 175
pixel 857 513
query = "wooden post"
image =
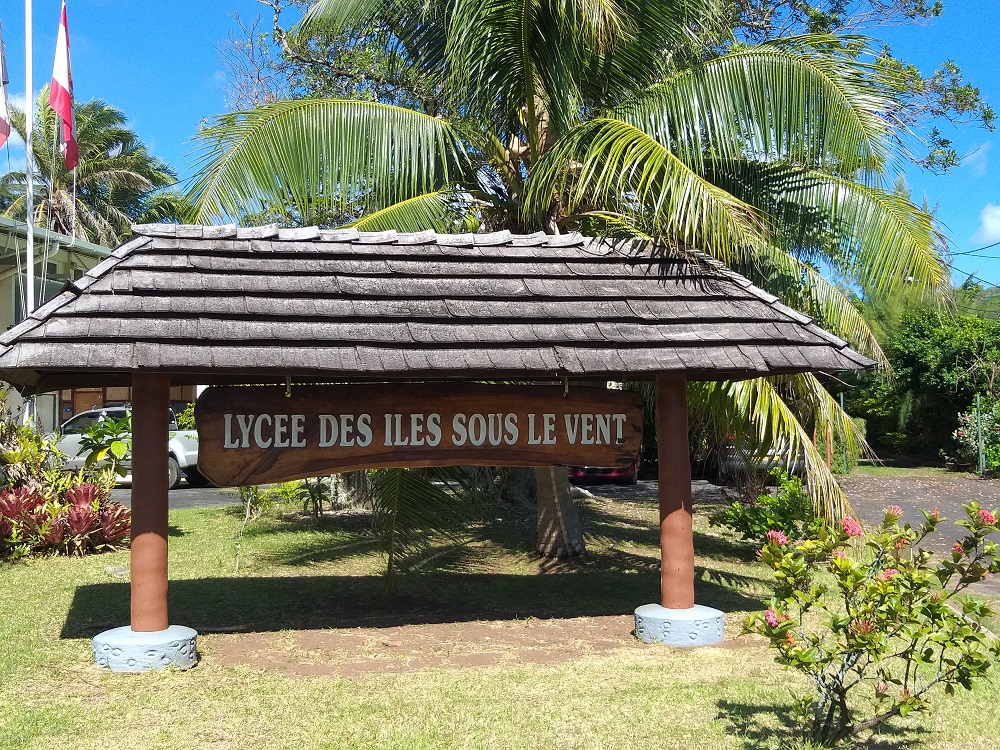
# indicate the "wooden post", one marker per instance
pixel 676 536
pixel 150 405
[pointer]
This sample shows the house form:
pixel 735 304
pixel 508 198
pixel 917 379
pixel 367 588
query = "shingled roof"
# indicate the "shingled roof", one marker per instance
pixel 221 304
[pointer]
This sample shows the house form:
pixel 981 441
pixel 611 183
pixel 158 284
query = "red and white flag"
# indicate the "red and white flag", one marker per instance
pixel 61 95
pixel 4 104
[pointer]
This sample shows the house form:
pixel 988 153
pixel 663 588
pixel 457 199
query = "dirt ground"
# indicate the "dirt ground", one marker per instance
pixel 353 652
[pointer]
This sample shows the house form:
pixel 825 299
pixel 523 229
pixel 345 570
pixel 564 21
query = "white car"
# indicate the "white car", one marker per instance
pixel 182 445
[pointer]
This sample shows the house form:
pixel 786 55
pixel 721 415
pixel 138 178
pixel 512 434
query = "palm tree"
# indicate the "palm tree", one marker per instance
pixel 618 117
pixel 118 181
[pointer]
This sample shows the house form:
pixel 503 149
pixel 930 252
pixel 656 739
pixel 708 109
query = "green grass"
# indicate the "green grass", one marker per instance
pixel 294 576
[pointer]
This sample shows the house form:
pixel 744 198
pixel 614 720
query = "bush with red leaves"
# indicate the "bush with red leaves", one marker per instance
pixel 83 520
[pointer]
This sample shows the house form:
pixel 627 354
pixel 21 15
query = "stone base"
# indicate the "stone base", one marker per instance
pixel 697 626
pixel 124 650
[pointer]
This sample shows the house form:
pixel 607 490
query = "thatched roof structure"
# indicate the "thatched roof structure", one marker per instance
pixel 221 304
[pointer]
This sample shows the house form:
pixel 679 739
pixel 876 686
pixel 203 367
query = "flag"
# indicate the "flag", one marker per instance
pixel 61 94
pixel 4 105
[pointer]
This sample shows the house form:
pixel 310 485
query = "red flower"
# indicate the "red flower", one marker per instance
pixel 936 514
pixel 894 511
pixel 986 518
pixel 958 549
pixel 851 527
pixel 776 537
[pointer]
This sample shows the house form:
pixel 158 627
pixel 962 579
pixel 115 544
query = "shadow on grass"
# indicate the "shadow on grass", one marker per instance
pixel 770 725
pixel 719 547
pixel 311 602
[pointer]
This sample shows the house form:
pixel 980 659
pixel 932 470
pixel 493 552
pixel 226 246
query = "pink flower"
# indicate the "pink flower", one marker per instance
pixel 888 573
pixel 851 527
pixel 839 554
pixel 776 537
pixel 894 510
pixel 958 549
pixel 936 514
pixel 986 518
pixel 882 688
pixel 771 618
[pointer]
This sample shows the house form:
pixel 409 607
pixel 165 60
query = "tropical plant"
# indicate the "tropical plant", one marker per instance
pixel 118 182
pixel 788 509
pixel 637 120
pixel 891 631
pixel 79 521
pixel 107 443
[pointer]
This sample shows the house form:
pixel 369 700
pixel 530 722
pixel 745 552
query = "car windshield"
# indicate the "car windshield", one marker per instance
pixel 81 423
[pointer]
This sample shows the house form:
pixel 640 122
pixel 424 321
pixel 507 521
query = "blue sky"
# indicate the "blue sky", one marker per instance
pixel 158 62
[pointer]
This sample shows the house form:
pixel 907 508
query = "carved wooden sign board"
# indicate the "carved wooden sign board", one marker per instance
pixel 257 434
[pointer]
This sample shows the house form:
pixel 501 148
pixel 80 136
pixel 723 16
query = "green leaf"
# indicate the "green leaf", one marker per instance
pixel 320 156
pixel 118 449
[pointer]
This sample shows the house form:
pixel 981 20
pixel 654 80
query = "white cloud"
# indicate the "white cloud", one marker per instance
pixel 978 161
pixel 989 225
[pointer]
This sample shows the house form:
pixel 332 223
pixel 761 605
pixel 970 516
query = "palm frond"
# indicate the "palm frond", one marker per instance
pixel 409 512
pixel 438 211
pixel 317 155
pixel 807 100
pixel 756 413
pixel 610 162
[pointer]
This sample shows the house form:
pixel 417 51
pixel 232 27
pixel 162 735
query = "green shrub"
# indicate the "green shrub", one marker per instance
pixel 789 511
pixel 890 632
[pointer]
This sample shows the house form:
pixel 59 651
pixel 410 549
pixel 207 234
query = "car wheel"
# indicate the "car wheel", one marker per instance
pixel 173 472
pixel 195 478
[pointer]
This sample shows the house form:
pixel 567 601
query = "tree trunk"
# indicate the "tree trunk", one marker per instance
pixel 560 533
pixel 519 486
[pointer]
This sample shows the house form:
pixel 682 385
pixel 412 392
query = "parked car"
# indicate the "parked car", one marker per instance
pixel 182 445
pixel 626 475
pixel 734 459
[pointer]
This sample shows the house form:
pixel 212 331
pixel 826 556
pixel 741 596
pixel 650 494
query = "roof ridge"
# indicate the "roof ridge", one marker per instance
pixel 356 236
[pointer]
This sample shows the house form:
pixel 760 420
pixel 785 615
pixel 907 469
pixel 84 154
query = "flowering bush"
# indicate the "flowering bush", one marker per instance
pixel 81 521
pixel 789 510
pixel 966 438
pixel 891 629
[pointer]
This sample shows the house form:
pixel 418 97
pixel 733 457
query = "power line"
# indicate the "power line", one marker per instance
pixel 978 249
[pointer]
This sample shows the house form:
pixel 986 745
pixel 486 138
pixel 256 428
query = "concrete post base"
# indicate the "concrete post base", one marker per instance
pixel 125 650
pixel 695 626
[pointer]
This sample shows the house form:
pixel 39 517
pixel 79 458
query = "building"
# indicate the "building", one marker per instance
pixel 58 259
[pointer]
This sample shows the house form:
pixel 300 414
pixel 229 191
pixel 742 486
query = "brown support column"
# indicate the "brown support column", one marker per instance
pixel 150 404
pixel 676 536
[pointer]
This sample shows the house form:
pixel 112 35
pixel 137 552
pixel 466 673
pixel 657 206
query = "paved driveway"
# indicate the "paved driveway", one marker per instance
pixel 185 497
pixel 870 495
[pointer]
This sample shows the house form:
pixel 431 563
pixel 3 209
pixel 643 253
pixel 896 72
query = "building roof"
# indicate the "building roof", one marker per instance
pixel 14 238
pixel 221 304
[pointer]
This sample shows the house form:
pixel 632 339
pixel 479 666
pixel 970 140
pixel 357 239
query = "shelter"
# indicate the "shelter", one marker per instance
pixel 180 305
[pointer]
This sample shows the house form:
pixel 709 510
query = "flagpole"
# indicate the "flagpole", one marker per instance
pixel 29 170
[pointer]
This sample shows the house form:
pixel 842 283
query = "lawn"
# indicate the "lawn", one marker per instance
pixel 301 651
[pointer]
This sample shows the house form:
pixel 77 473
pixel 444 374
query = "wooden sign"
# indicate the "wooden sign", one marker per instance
pixel 257 434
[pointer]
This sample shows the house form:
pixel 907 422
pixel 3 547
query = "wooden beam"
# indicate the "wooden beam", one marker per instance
pixel 150 402
pixel 676 536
